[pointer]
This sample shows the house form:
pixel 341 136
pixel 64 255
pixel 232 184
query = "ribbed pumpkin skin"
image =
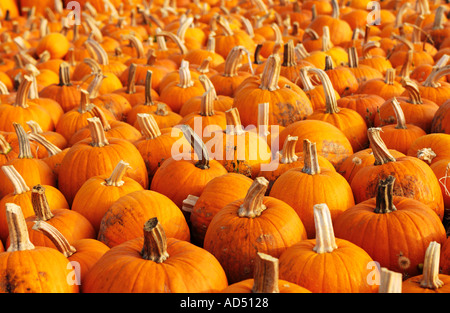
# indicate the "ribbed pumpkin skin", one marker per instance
pixel 412 285
pixel 41 270
pixel 414 179
pixel 345 270
pixel 188 269
pixel 121 222
pixel 84 161
pixel 234 240
pixel 246 286
pixel 385 236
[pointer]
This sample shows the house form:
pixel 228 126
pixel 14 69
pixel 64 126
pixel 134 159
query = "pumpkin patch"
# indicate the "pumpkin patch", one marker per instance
pixel 224 147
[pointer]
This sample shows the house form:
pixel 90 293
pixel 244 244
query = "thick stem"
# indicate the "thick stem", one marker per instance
pixel 263 119
pixel 289 54
pixel 185 75
pixel 389 76
pixel 430 277
pixel 51 148
pixel 24 142
pixel 328 63
pixel 137 45
pixel 189 203
pixel 100 53
pixel 155 242
pixel 325 240
pixel 271 73
pixel 253 205
pixel 35 127
pixel 116 178
pixel 131 84
pixel 335 13
pixel 207 103
pixel 233 60
pixel 203 67
pixel 18 230
pixel 352 57
pixel 379 149
pixel 223 23
pixel 148 88
pixel 265 277
pixel 326 39
pixel 413 90
pixel 198 146
pixel 40 204
pixel 330 94
pixel 174 38
pixel 234 125
pixel 22 92
pixel 85 102
pixel 148 126
pixel 312 33
pixel 97 132
pixel 311 158
pixel 390 281
pixel 399 115
pixel 97 112
pixel 288 154
pixel 433 79
pixel 426 155
pixel 208 85
pixel 439 18
pixel 95 84
pixel 19 184
pixel 385 196
pixel 57 238
pixel 5 147
pixel 181 32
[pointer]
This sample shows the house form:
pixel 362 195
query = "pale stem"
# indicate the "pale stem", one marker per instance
pixel 253 205
pixel 325 240
pixel 18 230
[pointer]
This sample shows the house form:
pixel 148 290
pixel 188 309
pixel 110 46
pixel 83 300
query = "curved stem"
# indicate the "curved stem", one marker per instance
pixel 400 116
pixel 64 74
pixel 85 102
pixel 413 91
pixel 223 23
pixel 232 62
pixel 24 142
pixel 35 127
pixel 131 84
pixel 203 68
pixel 400 14
pixel 439 18
pixel 234 125
pixel 148 126
pixel 155 242
pixel 136 44
pixel 51 148
pixel 57 238
pixel 265 277
pixel 385 196
pixel 207 103
pixel 18 230
pixel 271 73
pixel 116 178
pixel 100 53
pixel 433 79
pixel 40 204
pixel 181 32
pixel 197 145
pixel 148 88
pixel 97 132
pixel 389 76
pixel 379 149
pixel 22 92
pixel 174 38
pixel 325 240
pixel 326 39
pixel 5 147
pixel 312 33
pixel 253 204
pixel 289 54
pixel 430 277
pixel 19 184
pixel 97 112
pixel 288 154
pixel 330 94
pixel 311 158
pixel 185 75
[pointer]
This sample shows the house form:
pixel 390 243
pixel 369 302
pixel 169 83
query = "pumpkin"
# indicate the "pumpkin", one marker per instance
pixel 444 257
pixel 430 148
pixel 71 178
pixel 362 72
pixel 431 281
pixel 387 228
pixel 321 183
pixel 441 119
pixel 252 221
pixel 435 90
pixel 196 56
pixel 55 43
pixel 41 269
pixel 265 279
pixel 7 152
pixel 341 77
pixel 414 177
pixel 442 171
pixel 308 262
pixel 156 254
pixel 365 104
pixel 377 61
pixel 386 88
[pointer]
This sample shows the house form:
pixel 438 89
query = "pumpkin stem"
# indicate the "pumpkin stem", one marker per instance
pixel 97 132
pixel 232 62
pixel 265 277
pixel 379 149
pixel 116 178
pixel 306 83
pixel 311 160
pixel 155 242
pixel 61 243
pixel 335 13
pixel 436 74
pixel 197 145
pixel 184 25
pixel 148 88
pixel 257 55
pixel 208 85
pixel 64 74
pixel 40 204
pixel 288 154
pixel 174 38
pixel 100 53
pixel 400 116
pixel 385 196
pixel 389 76
pixel 22 92
pixel 18 230
pixel 51 148
pixel 185 75
pixel 161 109
pixel 352 57
pixel 426 155
pixel 207 103
pixel 430 277
pixel 271 73
pixel 97 112
pixel 390 281
pixel 19 184
pixel 439 18
pixel 131 84
pixel 24 142
pixel 400 14
pixel 223 23
pixel 35 127
pixel 325 240
pixel 328 63
pixel 289 54
pixel 234 125
pixel 326 40
pixel 330 94
pixel 85 103
pixel 137 45
pixel 189 203
pixel 406 68
pixel 263 119
pixel 5 147
pixel 413 91
pixel 203 68
pixel 148 126
pixel 253 202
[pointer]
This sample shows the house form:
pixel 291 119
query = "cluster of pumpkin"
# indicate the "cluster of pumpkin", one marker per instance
pixel 120 134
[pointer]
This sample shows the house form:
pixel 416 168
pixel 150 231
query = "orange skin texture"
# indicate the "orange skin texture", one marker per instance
pixel 344 270
pixel 116 104
pixel 436 94
pixel 175 96
pixel 385 236
pixel 340 29
pixel 121 222
pixel 327 187
pixel 330 141
pixel 68 97
pixel 439 143
pixel 420 115
pixel 95 197
pixel 209 123
pixel 364 73
pixel 412 285
pixel 226 85
pixel 350 166
pixel 443 175
pixel 222 104
pixel 188 269
pixel 41 270
pixel 445 257
pixel 246 286
pixel 34 112
pixel 317 97
pixel 54 197
pixel 53 108
pixel 179 178
pixel 441 119
pixel 225 43
pixel 366 105
pixel 97 161
pixel 400 139
pixel 379 87
pixel 219 192
pixel 276 229
pixel 343 80
pixel 55 43
pixel 414 179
